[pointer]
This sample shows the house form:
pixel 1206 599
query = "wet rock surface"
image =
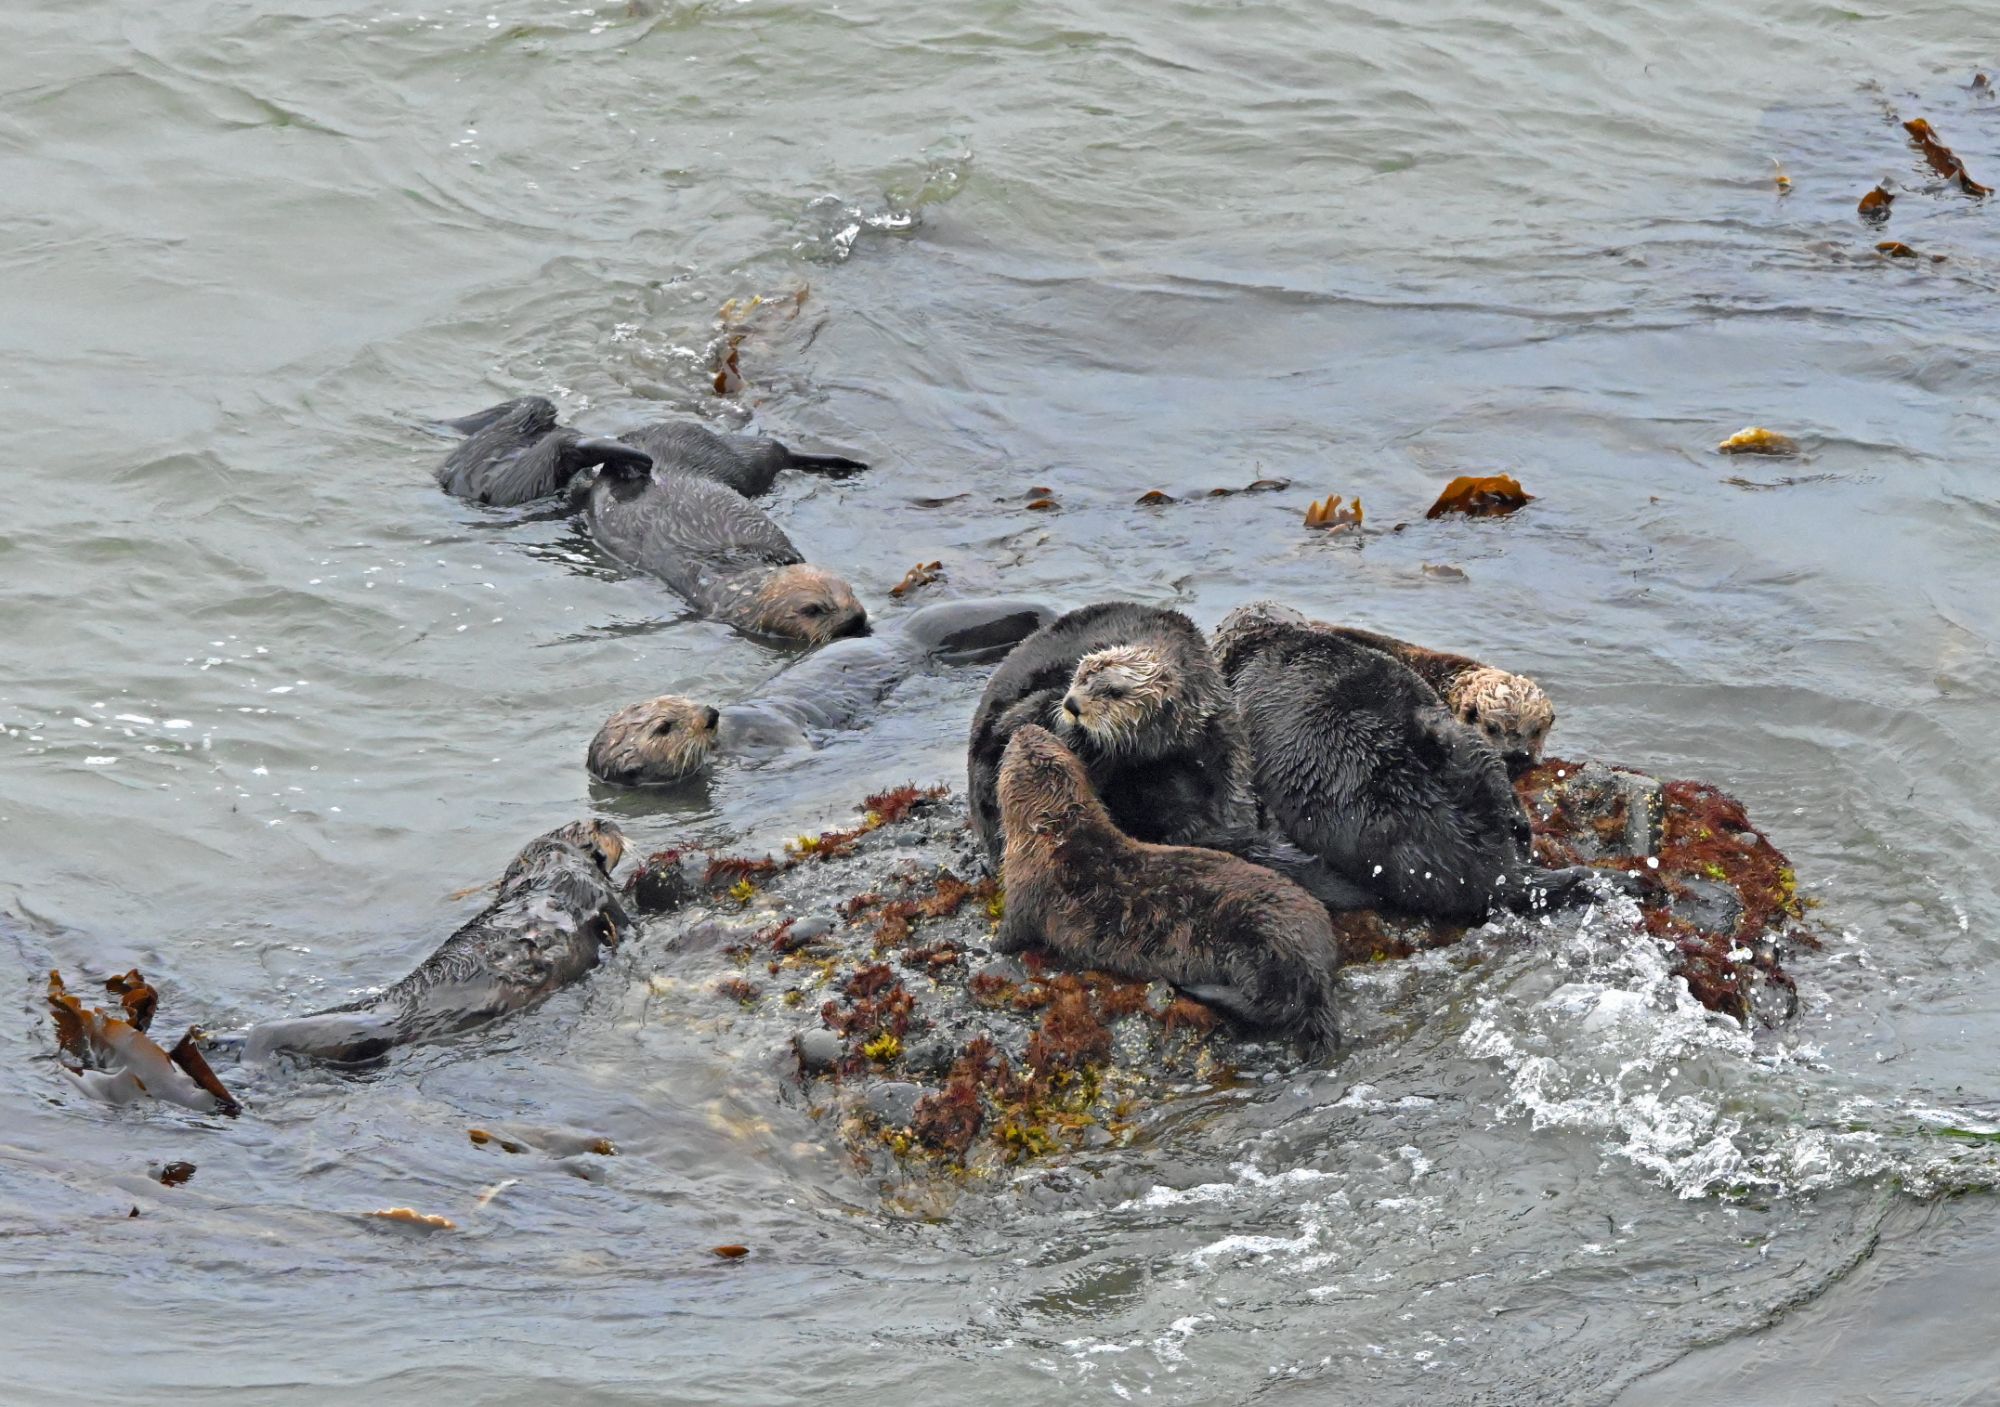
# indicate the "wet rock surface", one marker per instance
pixel 866 953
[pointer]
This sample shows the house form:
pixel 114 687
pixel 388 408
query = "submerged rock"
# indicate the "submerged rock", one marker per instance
pixel 921 1046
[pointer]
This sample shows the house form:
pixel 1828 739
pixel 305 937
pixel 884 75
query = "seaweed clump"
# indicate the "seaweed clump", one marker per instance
pixel 1720 896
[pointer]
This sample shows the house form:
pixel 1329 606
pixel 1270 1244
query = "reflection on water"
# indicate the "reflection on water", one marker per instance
pixel 271 698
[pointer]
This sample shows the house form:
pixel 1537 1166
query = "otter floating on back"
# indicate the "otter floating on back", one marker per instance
pixel 1231 933
pixel 557 909
pixel 719 551
pixel 516 452
pixel 672 738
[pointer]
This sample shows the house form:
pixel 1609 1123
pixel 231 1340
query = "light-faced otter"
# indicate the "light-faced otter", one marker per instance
pixel 1510 710
pixel 515 453
pixel 746 463
pixel 1133 692
pixel 556 910
pixel 714 547
pixel 1231 933
pixel 1359 763
pixel 670 739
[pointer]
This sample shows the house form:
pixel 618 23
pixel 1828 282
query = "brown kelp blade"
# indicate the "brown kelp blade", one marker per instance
pixel 1480 496
pixel 1942 158
pixel 103 1044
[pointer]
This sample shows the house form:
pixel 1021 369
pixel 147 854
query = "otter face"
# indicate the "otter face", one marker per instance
pixel 667 739
pixel 1508 710
pixel 1115 697
pixel 804 602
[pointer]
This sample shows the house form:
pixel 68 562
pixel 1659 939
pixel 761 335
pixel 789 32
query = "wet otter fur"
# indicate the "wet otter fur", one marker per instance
pixel 670 739
pixel 1131 690
pixel 1510 710
pixel 746 463
pixel 515 453
pixel 1229 932
pixel 1358 762
pixel 557 909
pixel 719 551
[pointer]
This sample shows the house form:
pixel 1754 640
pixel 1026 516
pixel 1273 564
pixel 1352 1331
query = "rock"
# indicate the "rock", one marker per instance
pixel 893 1102
pixel 819 1050
pixel 932 1054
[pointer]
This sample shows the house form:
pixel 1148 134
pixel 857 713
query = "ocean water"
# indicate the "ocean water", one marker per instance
pixel 270 700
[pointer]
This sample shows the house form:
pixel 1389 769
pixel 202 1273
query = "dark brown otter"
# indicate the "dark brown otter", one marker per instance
pixel 556 911
pixel 515 453
pixel 1230 933
pixel 1359 763
pixel 718 550
pixel 1510 710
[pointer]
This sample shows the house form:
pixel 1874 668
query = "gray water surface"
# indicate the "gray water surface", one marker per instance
pixel 270 698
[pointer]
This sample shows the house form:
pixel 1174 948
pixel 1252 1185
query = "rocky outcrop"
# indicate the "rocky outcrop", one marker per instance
pixel 864 951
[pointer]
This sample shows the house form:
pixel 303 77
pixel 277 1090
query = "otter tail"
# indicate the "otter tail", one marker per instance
pixel 834 465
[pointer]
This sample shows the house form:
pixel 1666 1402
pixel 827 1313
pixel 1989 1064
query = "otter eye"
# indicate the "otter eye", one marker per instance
pixel 1111 691
pixel 666 726
pixel 815 609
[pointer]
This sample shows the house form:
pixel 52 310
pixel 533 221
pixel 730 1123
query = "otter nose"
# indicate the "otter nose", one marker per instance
pixel 710 717
pixel 854 623
pixel 1072 705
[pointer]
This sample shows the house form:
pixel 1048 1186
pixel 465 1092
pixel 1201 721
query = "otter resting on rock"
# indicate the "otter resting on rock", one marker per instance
pixel 715 548
pixel 1359 763
pixel 746 463
pixel 515 453
pixel 1510 710
pixel 1132 691
pixel 670 739
pixel 556 909
pixel 1228 932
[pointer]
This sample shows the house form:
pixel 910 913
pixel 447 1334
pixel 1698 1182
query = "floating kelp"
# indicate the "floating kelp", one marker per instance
pixel 1942 158
pixel 742 318
pixel 119 1063
pixel 1475 496
pixel 922 574
pixel 410 1216
pixel 1327 513
pixel 1755 439
pixel 1875 205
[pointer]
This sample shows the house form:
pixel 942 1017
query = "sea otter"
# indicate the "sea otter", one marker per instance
pixel 714 547
pixel 556 910
pixel 1229 932
pixel 746 463
pixel 670 739
pixel 1511 710
pixel 515 453
pixel 1359 763
pixel 1132 691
